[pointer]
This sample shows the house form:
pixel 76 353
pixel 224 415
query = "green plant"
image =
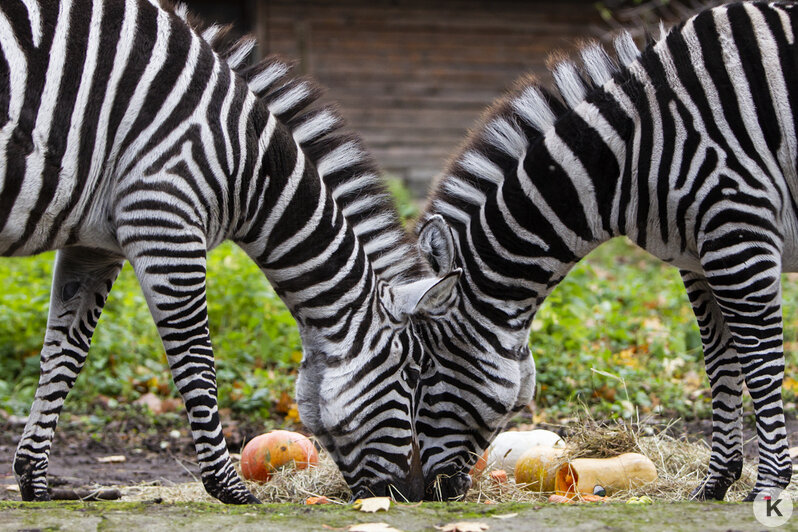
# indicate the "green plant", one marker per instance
pixel 619 317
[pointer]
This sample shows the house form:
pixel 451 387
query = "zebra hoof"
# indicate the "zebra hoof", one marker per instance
pixel 781 482
pixel 756 492
pixel 715 485
pixel 31 487
pixel 236 497
pixel 236 494
pixel 251 499
pixel 30 495
pixel 712 489
pixel 706 493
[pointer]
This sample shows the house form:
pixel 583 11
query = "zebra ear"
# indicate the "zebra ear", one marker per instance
pixel 436 243
pixel 431 296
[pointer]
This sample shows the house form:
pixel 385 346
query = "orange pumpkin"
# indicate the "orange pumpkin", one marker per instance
pixel 264 454
pixel 479 467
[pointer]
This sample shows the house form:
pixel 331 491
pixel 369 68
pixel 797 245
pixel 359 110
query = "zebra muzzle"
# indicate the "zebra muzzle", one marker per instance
pixel 413 487
pixel 447 486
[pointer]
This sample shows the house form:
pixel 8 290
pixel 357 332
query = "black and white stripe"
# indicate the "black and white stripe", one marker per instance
pixel 689 148
pixel 126 133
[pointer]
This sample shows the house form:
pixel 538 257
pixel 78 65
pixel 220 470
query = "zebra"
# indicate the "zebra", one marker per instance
pixel 688 148
pixel 128 133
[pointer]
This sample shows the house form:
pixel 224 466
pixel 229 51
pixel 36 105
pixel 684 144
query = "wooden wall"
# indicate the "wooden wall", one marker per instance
pixel 412 76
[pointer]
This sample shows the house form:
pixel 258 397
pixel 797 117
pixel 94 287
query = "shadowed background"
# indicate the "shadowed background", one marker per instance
pixel 411 76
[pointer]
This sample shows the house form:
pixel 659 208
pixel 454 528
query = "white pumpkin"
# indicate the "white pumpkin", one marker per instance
pixel 508 447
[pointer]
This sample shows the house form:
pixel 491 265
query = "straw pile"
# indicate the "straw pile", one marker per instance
pixel 286 485
pixel 681 465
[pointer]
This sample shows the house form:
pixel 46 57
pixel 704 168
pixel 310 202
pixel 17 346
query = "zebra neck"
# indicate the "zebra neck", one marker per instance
pixel 572 179
pixel 525 206
pixel 295 232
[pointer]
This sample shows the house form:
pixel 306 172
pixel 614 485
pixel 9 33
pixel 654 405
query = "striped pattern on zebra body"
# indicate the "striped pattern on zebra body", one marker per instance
pixel 127 134
pixel 689 148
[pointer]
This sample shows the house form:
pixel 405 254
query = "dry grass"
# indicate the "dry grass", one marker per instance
pixel 288 485
pixel 681 465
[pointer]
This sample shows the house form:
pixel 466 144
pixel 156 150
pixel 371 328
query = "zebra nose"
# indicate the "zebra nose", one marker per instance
pixel 414 485
pixel 411 489
pixel 446 487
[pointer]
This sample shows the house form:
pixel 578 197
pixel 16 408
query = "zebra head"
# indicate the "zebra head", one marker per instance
pixel 358 383
pixel 474 376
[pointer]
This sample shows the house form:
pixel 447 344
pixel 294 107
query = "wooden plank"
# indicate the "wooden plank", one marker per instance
pixel 412 76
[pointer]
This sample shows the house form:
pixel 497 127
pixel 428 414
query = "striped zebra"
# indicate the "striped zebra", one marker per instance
pixel 129 134
pixel 689 149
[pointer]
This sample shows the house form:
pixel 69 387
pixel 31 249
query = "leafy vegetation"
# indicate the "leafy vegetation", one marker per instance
pixel 255 338
pixel 617 336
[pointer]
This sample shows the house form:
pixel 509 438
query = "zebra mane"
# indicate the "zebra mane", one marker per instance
pixel 573 83
pixel 339 155
pixel 526 112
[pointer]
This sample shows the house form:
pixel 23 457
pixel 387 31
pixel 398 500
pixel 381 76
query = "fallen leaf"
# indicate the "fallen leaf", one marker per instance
pixel 463 526
pixel 12 487
pixel 293 414
pixel 589 497
pixel 414 505
pixel 284 403
pixel 171 404
pixel 372 504
pixel 151 401
pixel 113 459
pixel 794 452
pixel 373 527
pixel 504 516
pixel 561 499
pixel 317 500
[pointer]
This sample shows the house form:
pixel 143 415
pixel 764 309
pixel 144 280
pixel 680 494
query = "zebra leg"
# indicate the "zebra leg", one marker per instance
pixel 726 382
pixel 173 280
pixel 81 282
pixel 749 295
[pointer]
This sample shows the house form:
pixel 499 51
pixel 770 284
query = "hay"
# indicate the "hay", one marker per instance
pixel 288 485
pixel 681 464
pixel 296 485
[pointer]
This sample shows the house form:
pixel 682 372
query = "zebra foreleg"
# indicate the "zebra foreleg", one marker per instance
pixel 749 296
pixel 725 378
pixel 173 281
pixel 82 280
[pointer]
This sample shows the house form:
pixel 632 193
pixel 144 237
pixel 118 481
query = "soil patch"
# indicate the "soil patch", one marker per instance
pixel 160 452
pixel 155 451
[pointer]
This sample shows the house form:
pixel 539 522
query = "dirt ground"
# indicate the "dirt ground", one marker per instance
pixel 430 517
pixel 152 455
pixel 166 455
